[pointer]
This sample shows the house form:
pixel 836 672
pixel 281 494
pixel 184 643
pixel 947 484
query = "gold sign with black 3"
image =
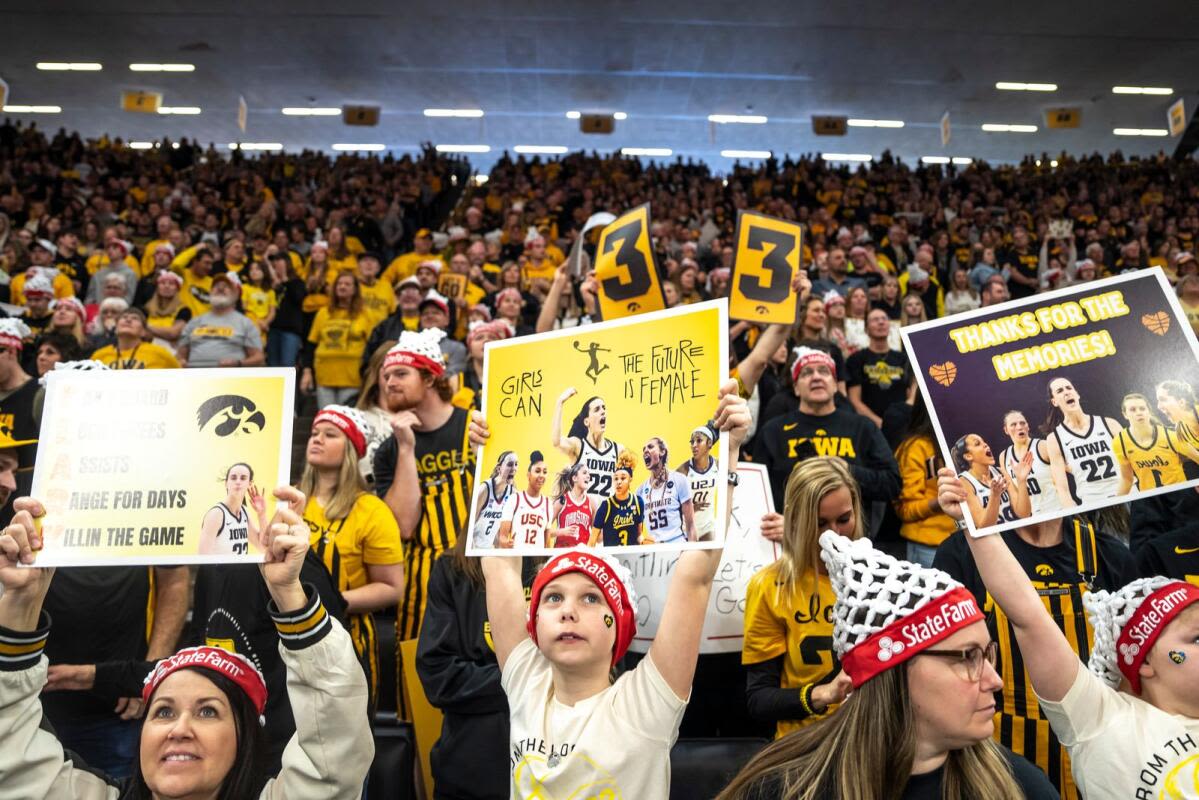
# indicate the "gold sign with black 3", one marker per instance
pixel 766 263
pixel 624 267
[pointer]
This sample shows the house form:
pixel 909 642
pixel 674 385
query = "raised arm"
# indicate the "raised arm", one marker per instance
pixel 506 608
pixel 1051 663
pixel 569 445
pixel 750 370
pixel 553 299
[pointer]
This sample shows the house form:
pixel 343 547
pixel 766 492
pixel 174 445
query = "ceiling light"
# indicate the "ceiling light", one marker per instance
pixel 646 151
pixel 255 146
pixel 743 119
pixel 745 153
pixel 350 148
pixel 33 109
pixel 875 123
pixel 863 157
pixel 463 148
pixel 142 145
pixel 573 115
pixel 162 67
pixel 69 66
pixel 1142 90
pixel 190 110
pixel 1140 132
pixel 1011 86
pixel 453 112
pixel 996 127
pixel 540 149
pixel 934 159
pixel 962 161
pixel 620 115
pixel 295 111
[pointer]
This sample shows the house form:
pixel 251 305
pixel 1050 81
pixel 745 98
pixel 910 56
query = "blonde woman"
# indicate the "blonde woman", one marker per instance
pixel 792 677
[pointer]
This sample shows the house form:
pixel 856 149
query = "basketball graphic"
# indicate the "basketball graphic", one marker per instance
pixel 1157 323
pixel 944 374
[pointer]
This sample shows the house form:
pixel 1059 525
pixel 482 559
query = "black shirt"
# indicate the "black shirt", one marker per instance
pixel 1172 555
pixel 883 377
pixel 289 311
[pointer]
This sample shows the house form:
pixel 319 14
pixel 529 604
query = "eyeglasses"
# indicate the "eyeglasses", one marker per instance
pixel 972 657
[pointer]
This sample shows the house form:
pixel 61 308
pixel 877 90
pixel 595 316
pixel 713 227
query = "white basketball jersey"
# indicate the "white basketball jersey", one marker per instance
pixel 1091 458
pixel 529 518
pixel 983 491
pixel 488 523
pixel 602 465
pixel 234 533
pixel 1041 492
pixel 703 498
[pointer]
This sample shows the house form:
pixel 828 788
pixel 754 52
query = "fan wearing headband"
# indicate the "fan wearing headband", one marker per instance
pixel 1131 720
pixel 202 735
pixel 918 722
pixel 574 732
pixel 586 442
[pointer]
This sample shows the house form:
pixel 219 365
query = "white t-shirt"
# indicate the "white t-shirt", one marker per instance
pixel 1122 747
pixel 615 744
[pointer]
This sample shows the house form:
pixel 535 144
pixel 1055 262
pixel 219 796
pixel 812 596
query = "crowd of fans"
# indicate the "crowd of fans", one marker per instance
pixel 381 281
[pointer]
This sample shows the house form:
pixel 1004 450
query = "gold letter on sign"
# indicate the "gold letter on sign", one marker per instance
pixel 766 263
pixel 624 267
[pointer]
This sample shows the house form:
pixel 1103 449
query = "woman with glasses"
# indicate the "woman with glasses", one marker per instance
pixel 919 721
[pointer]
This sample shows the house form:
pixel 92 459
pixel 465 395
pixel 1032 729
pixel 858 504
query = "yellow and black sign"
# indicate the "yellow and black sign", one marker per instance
pixel 141 102
pixel 360 115
pixel 597 123
pixel 1063 117
pixel 766 263
pixel 452 285
pixel 830 126
pixel 625 269
pixel 1178 117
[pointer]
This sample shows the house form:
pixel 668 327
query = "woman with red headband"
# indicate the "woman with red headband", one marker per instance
pixel 1130 721
pixel 573 730
pixel 919 721
pixel 202 735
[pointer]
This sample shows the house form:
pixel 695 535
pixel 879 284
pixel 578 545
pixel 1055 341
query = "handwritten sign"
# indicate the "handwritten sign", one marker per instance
pixel 745 552
pixel 766 262
pixel 629 392
pixel 1078 377
pixel 161 466
pixel 624 267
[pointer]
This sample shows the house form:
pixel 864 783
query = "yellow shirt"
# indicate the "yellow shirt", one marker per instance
pixel 63 287
pixel 257 303
pixel 379 300
pixel 340 265
pixel 544 272
pixel 368 535
pixel 1155 463
pixel 340 341
pixel 99 259
pixel 146 355
pixel 404 266
pixel 796 625
pixel 918 460
pixel 195 292
pixel 147 265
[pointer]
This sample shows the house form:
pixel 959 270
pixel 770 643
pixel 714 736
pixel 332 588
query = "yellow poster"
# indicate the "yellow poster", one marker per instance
pixel 624 267
pixel 163 466
pixel 452 285
pixel 600 437
pixel 767 261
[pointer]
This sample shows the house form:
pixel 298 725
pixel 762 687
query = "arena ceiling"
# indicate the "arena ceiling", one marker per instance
pixel 666 64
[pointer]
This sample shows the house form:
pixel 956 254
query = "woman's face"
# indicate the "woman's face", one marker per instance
pixel 509 306
pixel 344 288
pixel 238 480
pixel 951 710
pixel 814 317
pixel 336 237
pixel 537 473
pixel 836 311
pixel 64 316
pixel 621 481
pixel 581 479
pixel 597 416
pixel 671 293
pixel 326 446
pixel 960 279
pixel 508 467
pixel 859 303
pixel 913 307
pixel 890 289
pixel 47 357
pixel 978 451
pixel 189 739
pixel 167 288
pixel 835 513
pixel 700 445
pixel 1171 406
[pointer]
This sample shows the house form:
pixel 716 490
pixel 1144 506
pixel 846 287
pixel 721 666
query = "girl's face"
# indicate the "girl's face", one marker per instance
pixel 344 288
pixel 255 271
pixel 814 317
pixel 508 467
pixel 537 474
pixel 581 479
pixel 621 481
pixel 700 445
pixel 167 288
pixel 597 416
pixel 836 311
pixel 238 479
pixel 1174 409
pixel 978 451
pixel 326 446
pixel 509 307
pixel 960 279
pixel 574 622
pixel 913 306
pixel 890 289
pixel 835 513
pixel 859 303
pixel 64 316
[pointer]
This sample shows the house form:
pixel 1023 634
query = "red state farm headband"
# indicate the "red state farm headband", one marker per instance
pixel 906 637
pixel 615 593
pixel 808 355
pixel 233 666
pixel 1147 623
pixel 407 359
pixel 346 426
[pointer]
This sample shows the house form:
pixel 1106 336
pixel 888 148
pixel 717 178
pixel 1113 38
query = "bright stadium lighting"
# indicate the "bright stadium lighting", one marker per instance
pixel 1160 90
pixel 962 161
pixel 33 109
pixel 69 66
pixel 255 146
pixel 342 147
pixel 856 157
pixel 453 112
pixel 141 145
pixel 646 151
pixel 620 115
pixel 745 153
pixel 463 148
pixel 162 67
pixel 186 110
pixel 1014 86
pixel 297 111
pixel 540 149
pixel 738 119
pixel 573 114
pixel 1140 132
pixel 934 159
pixel 874 123
pixel 999 127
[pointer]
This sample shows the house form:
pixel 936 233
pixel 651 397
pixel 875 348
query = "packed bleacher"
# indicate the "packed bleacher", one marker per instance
pixel 381 281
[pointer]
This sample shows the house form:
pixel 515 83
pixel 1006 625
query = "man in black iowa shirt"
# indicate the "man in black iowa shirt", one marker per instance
pixel 819 428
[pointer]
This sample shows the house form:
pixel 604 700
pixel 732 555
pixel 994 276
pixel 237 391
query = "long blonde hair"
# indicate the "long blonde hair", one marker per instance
pixel 350 484
pixel 810 481
pixel 865 751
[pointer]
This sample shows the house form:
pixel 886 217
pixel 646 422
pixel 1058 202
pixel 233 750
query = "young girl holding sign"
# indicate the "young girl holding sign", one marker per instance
pixel 572 728
pixel 1130 721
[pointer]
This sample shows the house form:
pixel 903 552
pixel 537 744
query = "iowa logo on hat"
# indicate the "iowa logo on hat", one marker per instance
pixel 229 414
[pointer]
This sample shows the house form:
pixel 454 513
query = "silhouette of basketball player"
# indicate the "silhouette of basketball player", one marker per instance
pixel 593 350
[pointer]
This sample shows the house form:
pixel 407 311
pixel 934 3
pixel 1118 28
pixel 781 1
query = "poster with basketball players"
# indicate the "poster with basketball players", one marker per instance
pixel 601 436
pixel 165 466
pixel 1064 402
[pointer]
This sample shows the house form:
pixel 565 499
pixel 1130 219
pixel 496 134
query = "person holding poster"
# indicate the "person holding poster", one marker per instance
pixel 793 678
pixel 1083 443
pixel 586 443
pixel 225 530
pixel 526 517
pixel 619 520
pixel 666 495
pixel 1129 718
pixel 202 735
pixel 573 730
pixel 491 497
pixel 573 507
pixel 1042 494
pixel 991 495
pixel 1158 463
pixel 700 470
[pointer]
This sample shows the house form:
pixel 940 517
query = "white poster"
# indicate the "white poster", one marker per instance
pixel 745 552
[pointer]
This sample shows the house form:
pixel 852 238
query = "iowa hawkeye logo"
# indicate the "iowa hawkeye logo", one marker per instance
pixel 228 414
pixel 840 446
